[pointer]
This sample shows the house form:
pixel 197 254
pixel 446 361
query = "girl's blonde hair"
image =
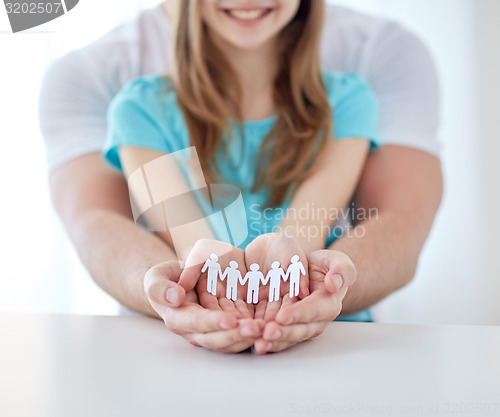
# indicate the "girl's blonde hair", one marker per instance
pixel 208 93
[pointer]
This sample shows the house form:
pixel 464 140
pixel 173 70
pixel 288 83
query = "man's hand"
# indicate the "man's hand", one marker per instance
pixel 181 298
pixel 192 280
pixel 330 275
pixel 212 328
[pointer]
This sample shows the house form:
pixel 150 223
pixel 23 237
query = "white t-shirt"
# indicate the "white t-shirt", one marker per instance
pixel 79 86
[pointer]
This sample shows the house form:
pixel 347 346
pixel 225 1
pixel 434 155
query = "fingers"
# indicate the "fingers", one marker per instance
pixel 192 318
pixel 272 309
pixel 208 263
pixel 202 341
pixel 297 333
pixel 288 336
pixel 229 307
pixel 206 299
pixel 246 310
pixel 260 309
pixel 262 346
pixel 319 306
pixel 160 285
pixel 234 340
pixel 277 338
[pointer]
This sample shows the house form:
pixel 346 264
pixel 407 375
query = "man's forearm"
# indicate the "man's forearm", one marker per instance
pixel 385 256
pixel 93 202
pixel 405 186
pixel 118 268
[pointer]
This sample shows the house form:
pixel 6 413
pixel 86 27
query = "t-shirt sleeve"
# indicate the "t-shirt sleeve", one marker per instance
pixel 134 118
pixel 402 73
pixel 355 107
pixel 72 110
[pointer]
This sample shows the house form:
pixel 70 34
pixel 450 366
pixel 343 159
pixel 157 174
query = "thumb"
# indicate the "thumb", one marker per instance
pixel 334 282
pixel 341 273
pixel 161 287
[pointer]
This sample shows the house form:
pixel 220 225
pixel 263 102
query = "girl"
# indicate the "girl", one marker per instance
pixel 248 94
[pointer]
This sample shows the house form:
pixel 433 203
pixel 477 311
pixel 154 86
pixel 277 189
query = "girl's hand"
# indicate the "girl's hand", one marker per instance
pixel 182 313
pixel 330 275
pixel 192 276
pixel 264 250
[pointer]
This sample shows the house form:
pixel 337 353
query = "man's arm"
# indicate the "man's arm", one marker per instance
pixel 405 186
pixel 93 202
pixel 132 264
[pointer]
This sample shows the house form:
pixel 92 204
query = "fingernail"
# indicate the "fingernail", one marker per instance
pixel 171 295
pixel 269 346
pixel 276 335
pixel 289 321
pixel 338 281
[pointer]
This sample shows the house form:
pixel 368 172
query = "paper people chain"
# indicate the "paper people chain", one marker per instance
pixel 233 275
pixel 254 277
pixel 214 270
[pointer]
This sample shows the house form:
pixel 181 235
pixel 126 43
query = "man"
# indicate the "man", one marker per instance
pixel 402 179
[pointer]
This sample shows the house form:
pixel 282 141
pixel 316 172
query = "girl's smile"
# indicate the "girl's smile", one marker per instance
pixel 248 16
pixel 247 25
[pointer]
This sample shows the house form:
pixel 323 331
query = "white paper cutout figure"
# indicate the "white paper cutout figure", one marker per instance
pixel 254 277
pixel 214 270
pixel 274 275
pixel 233 275
pixel 293 272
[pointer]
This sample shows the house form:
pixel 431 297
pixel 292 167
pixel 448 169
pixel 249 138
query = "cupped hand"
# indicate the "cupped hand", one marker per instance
pixel 265 250
pixel 193 275
pixel 181 296
pixel 213 328
pixel 330 275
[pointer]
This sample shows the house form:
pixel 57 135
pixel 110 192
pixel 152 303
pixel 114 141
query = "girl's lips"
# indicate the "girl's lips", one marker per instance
pixel 247 16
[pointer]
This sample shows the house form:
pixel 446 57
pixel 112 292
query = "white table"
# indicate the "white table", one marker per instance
pixel 72 366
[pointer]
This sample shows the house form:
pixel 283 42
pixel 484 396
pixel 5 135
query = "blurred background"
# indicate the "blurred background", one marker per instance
pixel 458 281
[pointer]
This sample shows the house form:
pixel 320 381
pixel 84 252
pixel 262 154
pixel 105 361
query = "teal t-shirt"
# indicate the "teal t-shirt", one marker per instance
pixel 145 113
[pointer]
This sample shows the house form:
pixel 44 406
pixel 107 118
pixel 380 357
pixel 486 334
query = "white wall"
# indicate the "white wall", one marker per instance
pixel 459 277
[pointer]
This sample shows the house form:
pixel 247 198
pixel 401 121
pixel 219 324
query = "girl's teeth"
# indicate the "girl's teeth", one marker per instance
pixel 246 14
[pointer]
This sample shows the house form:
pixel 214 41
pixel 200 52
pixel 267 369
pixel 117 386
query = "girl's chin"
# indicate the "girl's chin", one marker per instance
pixel 245 44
